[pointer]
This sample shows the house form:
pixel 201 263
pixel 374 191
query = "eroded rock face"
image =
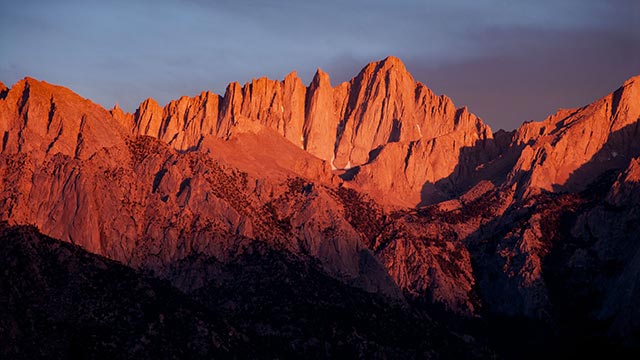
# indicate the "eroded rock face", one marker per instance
pixel 426 171
pixel 148 206
pixel 425 256
pixel 40 119
pixel 428 261
pixel 321 121
pixel 343 125
pixel 568 150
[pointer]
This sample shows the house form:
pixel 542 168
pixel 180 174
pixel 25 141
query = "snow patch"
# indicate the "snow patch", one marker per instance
pixel 348 165
pixel 333 167
pixel 419 130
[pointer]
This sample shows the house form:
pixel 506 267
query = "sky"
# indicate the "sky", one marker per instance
pixel 509 61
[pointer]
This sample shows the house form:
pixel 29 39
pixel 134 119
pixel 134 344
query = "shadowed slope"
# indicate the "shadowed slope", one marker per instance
pixel 61 302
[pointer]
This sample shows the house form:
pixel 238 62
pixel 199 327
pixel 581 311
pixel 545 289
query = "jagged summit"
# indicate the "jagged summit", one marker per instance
pixel 385 66
pixel 320 77
pixel 340 124
pixel 392 60
pixel 377 125
pixel 635 80
pixel 569 149
pixel 41 119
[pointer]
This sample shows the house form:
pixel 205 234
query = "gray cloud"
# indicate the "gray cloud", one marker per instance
pixel 535 73
pixel 509 61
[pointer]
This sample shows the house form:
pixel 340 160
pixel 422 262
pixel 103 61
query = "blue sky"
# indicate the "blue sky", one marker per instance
pixel 509 61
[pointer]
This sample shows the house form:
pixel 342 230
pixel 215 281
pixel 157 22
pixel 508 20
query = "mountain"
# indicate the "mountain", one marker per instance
pixel 60 301
pixel 379 186
pixel 569 149
pixel 347 126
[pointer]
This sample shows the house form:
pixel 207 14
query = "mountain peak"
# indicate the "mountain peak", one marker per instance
pixel 28 79
pixel 291 75
pixel 392 61
pixel 44 89
pixel 635 80
pixel 4 90
pixel 573 147
pixel 149 102
pixel 30 82
pixel 35 83
pixel 321 78
pixel 384 66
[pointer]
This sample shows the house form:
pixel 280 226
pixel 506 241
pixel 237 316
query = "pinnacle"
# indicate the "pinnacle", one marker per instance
pixel 321 77
pixel 392 60
pixel 384 66
pixel 634 80
pixel 149 100
pixel 292 74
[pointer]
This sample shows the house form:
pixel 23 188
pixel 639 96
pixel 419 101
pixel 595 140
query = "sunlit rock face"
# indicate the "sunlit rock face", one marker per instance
pixel 347 126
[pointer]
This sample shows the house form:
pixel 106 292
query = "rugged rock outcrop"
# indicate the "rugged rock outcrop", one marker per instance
pixel 148 206
pixel 571 148
pixel 427 171
pixel 40 119
pixel 346 125
pixel 70 168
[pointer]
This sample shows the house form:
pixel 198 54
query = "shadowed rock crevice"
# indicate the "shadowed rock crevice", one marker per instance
pixel 53 142
pixel 396 128
pixel 52 111
pixel 26 91
pixel 5 139
pixel 4 90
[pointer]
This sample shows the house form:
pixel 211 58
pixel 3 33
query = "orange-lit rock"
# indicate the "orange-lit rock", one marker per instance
pixel 343 125
pixel 40 119
pixel 568 150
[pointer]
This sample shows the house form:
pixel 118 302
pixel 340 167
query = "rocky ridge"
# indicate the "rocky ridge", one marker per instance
pixel 347 126
pixel 405 195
